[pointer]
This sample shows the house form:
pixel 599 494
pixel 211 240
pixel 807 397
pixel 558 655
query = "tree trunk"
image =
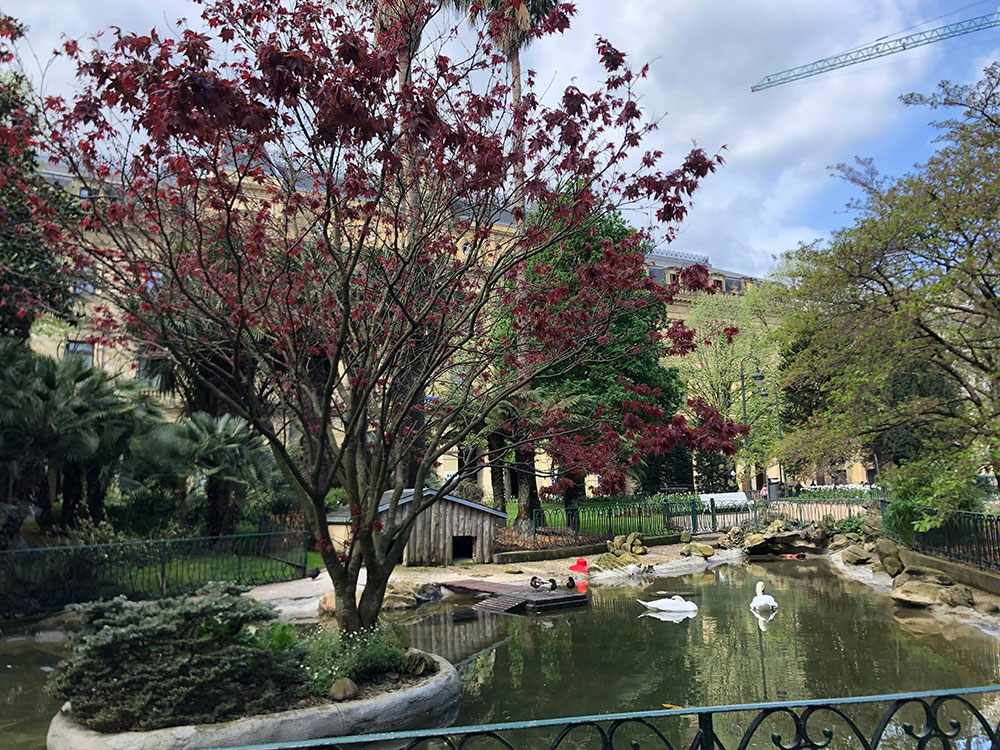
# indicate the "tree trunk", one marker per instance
pixel 572 498
pixel 497 446
pixel 72 486
pixel 97 491
pixel 527 488
pixel 217 512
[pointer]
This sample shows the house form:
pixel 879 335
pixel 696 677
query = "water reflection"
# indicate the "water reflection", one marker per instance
pixel 832 638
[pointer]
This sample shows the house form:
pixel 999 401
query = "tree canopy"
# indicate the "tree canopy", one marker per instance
pixel 276 204
pixel 895 320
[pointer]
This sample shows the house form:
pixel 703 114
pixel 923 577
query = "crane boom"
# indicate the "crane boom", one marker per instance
pixel 880 49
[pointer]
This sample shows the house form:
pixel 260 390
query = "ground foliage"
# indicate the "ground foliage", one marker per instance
pixel 178 661
pixel 302 214
pixel 361 656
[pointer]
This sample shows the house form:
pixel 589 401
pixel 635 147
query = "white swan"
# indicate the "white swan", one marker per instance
pixel 762 600
pixel 669 616
pixel 673 604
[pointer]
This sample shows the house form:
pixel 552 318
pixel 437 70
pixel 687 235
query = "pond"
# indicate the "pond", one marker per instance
pixel 830 638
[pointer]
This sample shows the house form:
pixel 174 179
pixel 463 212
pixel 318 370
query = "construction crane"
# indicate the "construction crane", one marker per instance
pixel 879 49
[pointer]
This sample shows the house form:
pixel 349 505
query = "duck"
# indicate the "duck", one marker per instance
pixel 570 583
pixel 536 582
pixel 553 585
pixel 762 601
pixel 673 604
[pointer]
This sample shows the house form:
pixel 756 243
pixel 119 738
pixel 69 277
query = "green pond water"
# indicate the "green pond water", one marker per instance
pixel 830 638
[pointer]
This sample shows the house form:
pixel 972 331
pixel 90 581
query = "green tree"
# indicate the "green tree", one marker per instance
pixel 732 331
pixel 895 317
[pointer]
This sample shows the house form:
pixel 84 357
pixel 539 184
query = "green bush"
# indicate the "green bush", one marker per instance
pixel 850 525
pixel 926 492
pixel 361 656
pixel 178 661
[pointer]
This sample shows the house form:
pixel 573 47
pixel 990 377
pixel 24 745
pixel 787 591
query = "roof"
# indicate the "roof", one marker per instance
pixel 342 515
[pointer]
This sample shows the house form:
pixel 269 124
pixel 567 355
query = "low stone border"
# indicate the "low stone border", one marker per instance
pixel 432 703
pixel 960 573
pixel 581 550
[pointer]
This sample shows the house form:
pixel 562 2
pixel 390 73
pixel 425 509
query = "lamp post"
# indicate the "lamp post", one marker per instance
pixel 758 377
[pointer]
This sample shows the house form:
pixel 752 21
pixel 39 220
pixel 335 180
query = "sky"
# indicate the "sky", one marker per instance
pixel 776 189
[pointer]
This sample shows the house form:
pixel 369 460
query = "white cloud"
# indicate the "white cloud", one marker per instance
pixel 705 54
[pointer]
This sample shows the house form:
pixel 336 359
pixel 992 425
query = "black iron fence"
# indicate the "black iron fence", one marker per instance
pixel 965 536
pixel 553 528
pixel 35 581
pixel 939 719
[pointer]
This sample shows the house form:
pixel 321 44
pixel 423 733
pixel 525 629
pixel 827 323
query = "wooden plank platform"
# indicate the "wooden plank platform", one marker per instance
pixel 505 594
pixel 503 603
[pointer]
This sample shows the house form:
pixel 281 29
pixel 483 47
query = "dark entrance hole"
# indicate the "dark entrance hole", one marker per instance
pixel 462 547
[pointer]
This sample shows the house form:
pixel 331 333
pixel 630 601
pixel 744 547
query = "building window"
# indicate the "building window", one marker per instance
pixel 656 274
pixel 673 278
pixel 82 350
pixel 717 284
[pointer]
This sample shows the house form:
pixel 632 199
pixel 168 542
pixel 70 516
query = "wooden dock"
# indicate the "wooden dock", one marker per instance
pixel 510 598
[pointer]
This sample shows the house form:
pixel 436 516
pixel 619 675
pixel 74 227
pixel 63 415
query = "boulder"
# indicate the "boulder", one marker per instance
pixel 776 527
pixel 816 535
pixel 755 544
pixel 608 561
pixel 619 541
pixel 956 596
pixel 855 538
pixel 702 550
pixel 431 592
pixel 632 538
pixel 855 555
pixel 990 608
pixel 893 566
pixel 840 541
pixel 732 539
pixel 418 663
pixel 686 550
pixel 399 596
pixel 916 593
pixel 328 604
pixel 920 573
pixel 872 525
pixel 886 547
pixel 343 689
pixel 685 536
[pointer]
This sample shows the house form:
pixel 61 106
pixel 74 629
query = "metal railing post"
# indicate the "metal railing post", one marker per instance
pixel 694 516
pixel 711 505
pixel 707 732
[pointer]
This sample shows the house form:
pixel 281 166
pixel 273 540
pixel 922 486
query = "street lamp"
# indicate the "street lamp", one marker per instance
pixel 758 377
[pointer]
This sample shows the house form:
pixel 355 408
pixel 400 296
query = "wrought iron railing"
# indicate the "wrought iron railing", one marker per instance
pixel 35 581
pixel 965 536
pixel 931 718
pixel 553 528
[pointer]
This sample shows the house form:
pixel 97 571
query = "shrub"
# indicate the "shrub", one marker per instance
pixel 926 492
pixel 850 525
pixel 178 661
pixel 469 489
pixel 364 655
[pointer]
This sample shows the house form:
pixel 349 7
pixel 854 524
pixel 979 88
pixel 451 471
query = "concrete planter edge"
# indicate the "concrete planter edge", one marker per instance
pixel 431 703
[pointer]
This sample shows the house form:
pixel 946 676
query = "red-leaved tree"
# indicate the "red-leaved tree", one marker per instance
pixel 317 239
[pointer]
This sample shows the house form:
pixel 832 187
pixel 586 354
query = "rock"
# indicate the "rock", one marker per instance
pixel 839 542
pixel 920 573
pixel 893 566
pixel 854 537
pixel 817 535
pixel 775 527
pixel 638 549
pixel 431 592
pixel 916 593
pixel 328 604
pixel 886 547
pixel 990 608
pixel 514 571
pixel 343 689
pixel 399 596
pixel 871 525
pixel 732 539
pixel 685 536
pixel 619 541
pixel 755 543
pixel 418 663
pixel 855 555
pixel 868 547
pixel 66 621
pixel 608 561
pixel 702 550
pixel 956 596
pixel 686 550
pixel 632 538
